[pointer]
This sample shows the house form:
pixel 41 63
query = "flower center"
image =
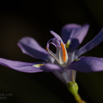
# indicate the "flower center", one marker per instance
pixel 61 55
pixel 62 58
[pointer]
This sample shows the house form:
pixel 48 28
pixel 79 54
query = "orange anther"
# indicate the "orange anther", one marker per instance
pixel 64 52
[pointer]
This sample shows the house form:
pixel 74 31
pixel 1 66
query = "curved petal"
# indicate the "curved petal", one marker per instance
pixel 29 46
pixel 90 45
pixel 75 34
pixel 29 67
pixel 87 64
pixel 55 35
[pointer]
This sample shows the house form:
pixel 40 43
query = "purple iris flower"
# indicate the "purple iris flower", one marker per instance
pixel 66 61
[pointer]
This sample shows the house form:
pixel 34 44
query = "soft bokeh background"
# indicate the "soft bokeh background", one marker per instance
pixel 21 18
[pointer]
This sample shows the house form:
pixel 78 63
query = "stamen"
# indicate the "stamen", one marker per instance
pixel 64 52
pixel 52 54
pixel 47 49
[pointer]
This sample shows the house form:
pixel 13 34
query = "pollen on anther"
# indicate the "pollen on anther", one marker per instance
pixel 64 52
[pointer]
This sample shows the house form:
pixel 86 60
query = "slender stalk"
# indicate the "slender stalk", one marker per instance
pixel 73 88
pixel 78 98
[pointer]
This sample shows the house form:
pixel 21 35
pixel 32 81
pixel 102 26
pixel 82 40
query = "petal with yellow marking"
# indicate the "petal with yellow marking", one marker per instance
pixel 37 65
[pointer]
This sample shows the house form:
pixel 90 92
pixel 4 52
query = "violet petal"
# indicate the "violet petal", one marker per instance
pixel 30 46
pixel 90 45
pixel 29 67
pixel 55 35
pixel 87 64
pixel 75 33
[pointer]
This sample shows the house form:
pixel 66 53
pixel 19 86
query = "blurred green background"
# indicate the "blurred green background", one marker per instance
pixel 21 18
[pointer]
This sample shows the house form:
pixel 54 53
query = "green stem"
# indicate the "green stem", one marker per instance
pixel 73 88
pixel 78 98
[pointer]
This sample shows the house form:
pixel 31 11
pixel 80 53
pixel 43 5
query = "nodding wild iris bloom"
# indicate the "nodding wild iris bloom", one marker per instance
pixel 66 61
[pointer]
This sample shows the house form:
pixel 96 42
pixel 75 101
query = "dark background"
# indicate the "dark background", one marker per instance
pixel 21 18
